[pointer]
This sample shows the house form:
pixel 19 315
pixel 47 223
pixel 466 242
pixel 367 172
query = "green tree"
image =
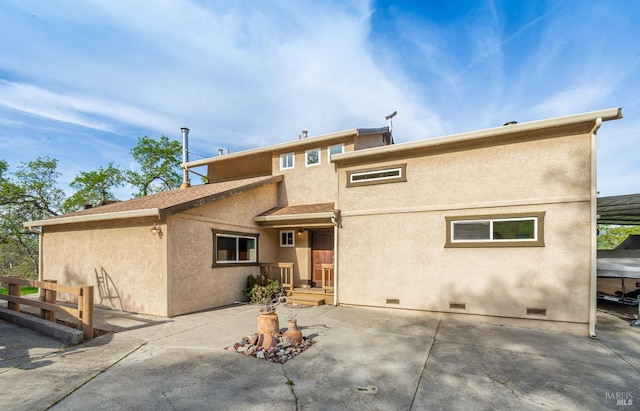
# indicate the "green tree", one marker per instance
pixel 29 194
pixel 159 162
pixel 610 236
pixel 94 187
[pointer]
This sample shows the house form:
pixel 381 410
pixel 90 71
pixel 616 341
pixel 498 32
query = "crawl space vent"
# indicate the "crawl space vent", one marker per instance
pixel 393 301
pixel 458 306
pixel 536 311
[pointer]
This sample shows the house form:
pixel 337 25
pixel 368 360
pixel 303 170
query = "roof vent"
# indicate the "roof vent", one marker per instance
pixel 220 151
pixel 510 123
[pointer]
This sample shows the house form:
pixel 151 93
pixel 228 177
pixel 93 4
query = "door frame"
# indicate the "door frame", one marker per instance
pixel 330 231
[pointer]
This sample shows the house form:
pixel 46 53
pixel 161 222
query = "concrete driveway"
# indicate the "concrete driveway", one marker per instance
pixel 363 359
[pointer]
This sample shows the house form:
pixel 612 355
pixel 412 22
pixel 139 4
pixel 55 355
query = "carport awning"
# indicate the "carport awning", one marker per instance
pixel 622 210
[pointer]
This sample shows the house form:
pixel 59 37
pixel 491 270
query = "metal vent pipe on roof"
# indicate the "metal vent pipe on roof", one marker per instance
pixel 185 157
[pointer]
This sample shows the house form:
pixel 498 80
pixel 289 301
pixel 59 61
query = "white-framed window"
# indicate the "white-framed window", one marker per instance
pixel 517 230
pixel 234 248
pixel 287 238
pixel 337 149
pixel 287 161
pixel 390 174
pixel 312 157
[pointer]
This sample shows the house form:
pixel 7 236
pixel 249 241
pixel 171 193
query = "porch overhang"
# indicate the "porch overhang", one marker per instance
pixel 308 216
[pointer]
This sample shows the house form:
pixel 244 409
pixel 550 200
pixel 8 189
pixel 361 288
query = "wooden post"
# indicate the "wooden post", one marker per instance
pixel 86 313
pixel 48 296
pixel 14 290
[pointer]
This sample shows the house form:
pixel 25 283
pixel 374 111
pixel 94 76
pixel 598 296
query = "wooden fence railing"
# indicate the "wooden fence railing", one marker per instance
pixel 283 272
pixel 48 305
pixel 327 277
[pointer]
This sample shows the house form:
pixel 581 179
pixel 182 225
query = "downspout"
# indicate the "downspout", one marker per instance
pixel 40 256
pixel 594 233
pixel 334 220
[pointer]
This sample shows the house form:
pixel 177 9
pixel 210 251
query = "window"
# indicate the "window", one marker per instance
pixel 337 149
pixel 287 161
pixel 234 248
pixel 312 157
pixel 391 174
pixel 513 230
pixel 287 238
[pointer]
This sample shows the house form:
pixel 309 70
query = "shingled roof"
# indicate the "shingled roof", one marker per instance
pixel 161 204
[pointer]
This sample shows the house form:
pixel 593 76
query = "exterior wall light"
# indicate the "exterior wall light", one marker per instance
pixel 155 229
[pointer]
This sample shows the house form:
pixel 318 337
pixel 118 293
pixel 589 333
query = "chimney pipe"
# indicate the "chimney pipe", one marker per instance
pixel 304 134
pixel 185 157
pixel 221 151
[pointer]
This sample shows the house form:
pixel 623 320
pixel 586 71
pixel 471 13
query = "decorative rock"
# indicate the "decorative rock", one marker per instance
pixel 280 351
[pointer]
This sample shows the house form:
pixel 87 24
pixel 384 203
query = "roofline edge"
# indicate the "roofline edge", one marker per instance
pixel 147 212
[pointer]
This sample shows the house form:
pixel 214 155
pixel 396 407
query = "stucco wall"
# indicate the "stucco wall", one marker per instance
pixel 124 254
pixel 309 185
pixel 400 228
pixel 193 283
pixel 300 256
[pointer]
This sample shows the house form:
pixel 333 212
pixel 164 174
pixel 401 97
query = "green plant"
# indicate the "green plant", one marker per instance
pixel 23 290
pixel 264 291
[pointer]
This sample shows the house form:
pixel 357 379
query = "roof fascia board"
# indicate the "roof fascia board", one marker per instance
pixel 148 212
pixel 286 146
pixel 291 217
pixel 605 115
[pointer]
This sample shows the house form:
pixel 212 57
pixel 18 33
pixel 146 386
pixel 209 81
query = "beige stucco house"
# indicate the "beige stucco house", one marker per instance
pixel 497 225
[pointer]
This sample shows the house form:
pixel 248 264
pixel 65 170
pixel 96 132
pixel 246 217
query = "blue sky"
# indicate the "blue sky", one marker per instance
pixel 81 81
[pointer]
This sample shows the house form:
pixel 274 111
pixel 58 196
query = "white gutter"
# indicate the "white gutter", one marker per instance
pixel 602 115
pixel 148 212
pixel 290 217
pixel 593 300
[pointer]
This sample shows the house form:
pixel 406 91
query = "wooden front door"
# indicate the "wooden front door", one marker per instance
pixel 321 253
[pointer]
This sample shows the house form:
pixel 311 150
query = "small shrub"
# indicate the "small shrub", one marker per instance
pixel 262 290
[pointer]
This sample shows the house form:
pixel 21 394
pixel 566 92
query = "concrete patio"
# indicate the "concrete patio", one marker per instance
pixel 362 359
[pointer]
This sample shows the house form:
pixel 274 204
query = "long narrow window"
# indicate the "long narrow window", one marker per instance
pixel 391 174
pixel 235 248
pixel 519 230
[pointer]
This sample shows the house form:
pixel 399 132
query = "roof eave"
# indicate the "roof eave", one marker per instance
pixel 286 145
pixel 118 215
pixel 292 217
pixel 604 115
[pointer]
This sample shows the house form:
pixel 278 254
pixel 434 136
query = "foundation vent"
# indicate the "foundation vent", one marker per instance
pixel 457 306
pixel 393 301
pixel 537 311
